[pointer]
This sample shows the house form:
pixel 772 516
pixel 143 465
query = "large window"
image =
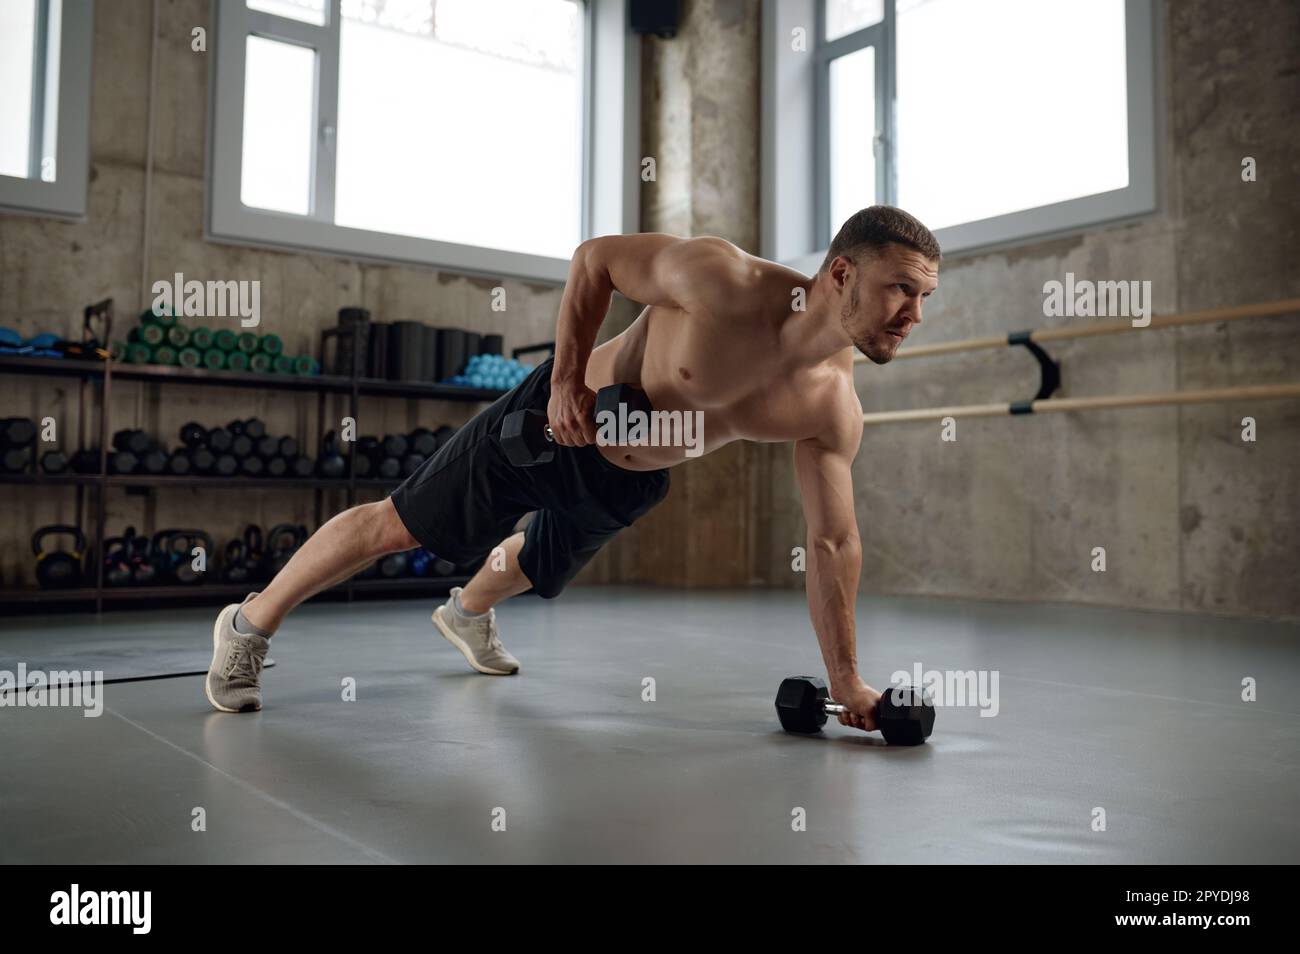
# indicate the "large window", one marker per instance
pixel 990 120
pixel 450 132
pixel 44 105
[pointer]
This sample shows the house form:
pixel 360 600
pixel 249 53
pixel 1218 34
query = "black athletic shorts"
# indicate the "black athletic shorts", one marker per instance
pixel 467 497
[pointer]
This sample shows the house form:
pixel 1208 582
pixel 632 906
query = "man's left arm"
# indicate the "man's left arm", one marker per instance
pixel 824 468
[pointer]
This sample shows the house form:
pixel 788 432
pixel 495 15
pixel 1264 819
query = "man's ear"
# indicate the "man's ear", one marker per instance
pixel 841 272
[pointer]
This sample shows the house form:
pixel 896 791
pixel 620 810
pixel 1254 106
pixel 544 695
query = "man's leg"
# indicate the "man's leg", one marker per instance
pixel 498 579
pixel 466 620
pixel 344 546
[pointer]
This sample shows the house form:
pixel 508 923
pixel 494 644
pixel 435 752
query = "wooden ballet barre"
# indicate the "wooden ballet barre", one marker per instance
pixel 1080 330
pixel 1259 392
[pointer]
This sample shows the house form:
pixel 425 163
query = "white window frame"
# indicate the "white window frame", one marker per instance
pixel 66 196
pixel 795 187
pixel 611 117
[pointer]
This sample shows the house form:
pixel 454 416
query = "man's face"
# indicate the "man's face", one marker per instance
pixel 880 299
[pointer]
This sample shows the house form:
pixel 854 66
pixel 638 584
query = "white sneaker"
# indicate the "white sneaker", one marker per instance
pixel 476 638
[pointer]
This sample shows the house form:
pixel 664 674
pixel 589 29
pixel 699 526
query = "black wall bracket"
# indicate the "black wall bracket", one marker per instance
pixel 1049 371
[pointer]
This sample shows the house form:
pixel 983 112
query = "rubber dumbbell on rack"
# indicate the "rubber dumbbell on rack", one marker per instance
pixel 332 465
pixel 904 714
pixel 17 438
pixel 54 462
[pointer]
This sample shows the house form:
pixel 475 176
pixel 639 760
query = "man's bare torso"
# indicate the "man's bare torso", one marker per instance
pixel 731 366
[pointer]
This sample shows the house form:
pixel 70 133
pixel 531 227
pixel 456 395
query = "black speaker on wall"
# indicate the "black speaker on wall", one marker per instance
pixel 654 16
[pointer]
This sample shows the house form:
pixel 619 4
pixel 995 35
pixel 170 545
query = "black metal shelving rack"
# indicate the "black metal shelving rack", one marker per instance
pixel 105 373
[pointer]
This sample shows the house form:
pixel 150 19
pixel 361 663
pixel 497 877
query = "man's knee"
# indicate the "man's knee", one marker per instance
pixel 388 533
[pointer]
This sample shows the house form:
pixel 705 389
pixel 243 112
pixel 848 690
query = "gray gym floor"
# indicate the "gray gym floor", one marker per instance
pixel 1138 714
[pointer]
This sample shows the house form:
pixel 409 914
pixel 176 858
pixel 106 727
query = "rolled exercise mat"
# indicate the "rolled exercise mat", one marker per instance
pixel 428 345
pixel 404 342
pixel 451 353
pixel 353 322
pixel 377 356
pixel 473 341
pixel 138 353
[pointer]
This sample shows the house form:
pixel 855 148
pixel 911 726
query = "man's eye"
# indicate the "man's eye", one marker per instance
pixel 902 288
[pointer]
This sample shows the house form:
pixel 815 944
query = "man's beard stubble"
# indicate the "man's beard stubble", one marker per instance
pixel 863 344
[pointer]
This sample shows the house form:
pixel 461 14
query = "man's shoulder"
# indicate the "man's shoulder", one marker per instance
pixel 729 281
pixel 835 410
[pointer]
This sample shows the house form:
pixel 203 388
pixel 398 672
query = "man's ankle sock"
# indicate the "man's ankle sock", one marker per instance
pixel 460 610
pixel 244 628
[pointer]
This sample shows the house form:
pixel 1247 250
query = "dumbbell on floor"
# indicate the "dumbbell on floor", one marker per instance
pixel 526 436
pixel 903 714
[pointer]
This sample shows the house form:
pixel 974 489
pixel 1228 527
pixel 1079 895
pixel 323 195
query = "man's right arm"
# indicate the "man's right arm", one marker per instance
pixel 650 268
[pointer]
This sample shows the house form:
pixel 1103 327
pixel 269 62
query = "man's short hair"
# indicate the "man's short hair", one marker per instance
pixel 875 227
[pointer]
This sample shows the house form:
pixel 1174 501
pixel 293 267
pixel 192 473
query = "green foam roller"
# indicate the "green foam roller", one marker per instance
pixel 177 336
pixel 271 344
pixel 214 359
pixel 164 354
pixel 261 363
pixel 236 361
pixel 137 353
pixel 282 363
pixel 225 339
pixel 189 357
pixel 151 335
pixel 247 342
pixel 305 364
pixel 201 338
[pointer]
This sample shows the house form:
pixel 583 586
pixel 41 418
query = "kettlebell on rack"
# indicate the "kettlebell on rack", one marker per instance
pixel 160 550
pixel 234 562
pixel 117 562
pixel 57 569
pixel 182 546
pixel 141 558
pixel 282 542
pixel 420 561
pixel 393 565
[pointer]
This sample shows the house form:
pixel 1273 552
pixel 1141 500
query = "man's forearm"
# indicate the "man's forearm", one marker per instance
pixel 583 308
pixel 834 567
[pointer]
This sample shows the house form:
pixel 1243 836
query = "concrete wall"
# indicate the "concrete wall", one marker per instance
pixel 1191 516
pixel 50 270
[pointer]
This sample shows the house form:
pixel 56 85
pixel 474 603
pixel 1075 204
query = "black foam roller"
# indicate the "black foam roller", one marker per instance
pixel 451 352
pixel 377 361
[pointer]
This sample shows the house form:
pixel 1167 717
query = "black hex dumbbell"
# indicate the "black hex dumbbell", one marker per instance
pixel 526 436
pixel 904 714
